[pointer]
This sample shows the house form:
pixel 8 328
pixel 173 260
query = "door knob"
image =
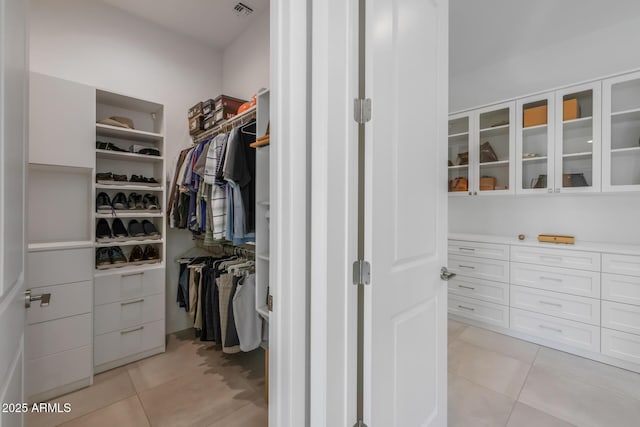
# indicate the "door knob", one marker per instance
pixel 43 298
pixel 446 274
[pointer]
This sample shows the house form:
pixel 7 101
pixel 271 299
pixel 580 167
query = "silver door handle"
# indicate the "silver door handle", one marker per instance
pixel 446 274
pixel 43 298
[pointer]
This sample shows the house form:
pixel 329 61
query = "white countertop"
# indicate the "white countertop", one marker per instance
pixel 532 241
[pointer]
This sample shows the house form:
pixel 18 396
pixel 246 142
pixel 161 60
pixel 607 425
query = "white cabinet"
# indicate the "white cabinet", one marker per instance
pixel 556 257
pixel 481 311
pixel 477 249
pixel 263 207
pixel 487 269
pixel 571 307
pixel 460 152
pixel 565 280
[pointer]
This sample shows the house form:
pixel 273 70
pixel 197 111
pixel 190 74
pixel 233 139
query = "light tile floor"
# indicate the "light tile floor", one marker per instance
pixel 494 380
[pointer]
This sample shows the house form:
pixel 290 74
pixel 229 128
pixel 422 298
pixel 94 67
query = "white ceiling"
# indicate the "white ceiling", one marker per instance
pixel 486 31
pixel 213 22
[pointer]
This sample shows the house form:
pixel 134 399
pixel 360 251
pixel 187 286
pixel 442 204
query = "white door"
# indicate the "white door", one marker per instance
pixel 13 107
pixel 406 213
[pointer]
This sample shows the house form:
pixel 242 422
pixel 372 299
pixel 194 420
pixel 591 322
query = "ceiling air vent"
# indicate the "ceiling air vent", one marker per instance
pixel 242 9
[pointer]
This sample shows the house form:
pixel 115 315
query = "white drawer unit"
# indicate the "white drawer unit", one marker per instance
pixel 621 345
pixel 566 280
pixel 111 288
pixel 128 342
pixel 59 266
pixel 66 300
pixel 571 307
pixel 59 369
pixel 44 339
pixel 485 290
pixel 621 317
pixel 478 249
pixel 621 264
pixel 575 334
pixel 556 257
pixel 488 269
pixel 123 315
pixel 482 311
pixel 625 289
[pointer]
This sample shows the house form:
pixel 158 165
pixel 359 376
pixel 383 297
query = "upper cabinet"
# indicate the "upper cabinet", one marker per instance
pixel 621 133
pixel 459 153
pixel 495 150
pixel 61 122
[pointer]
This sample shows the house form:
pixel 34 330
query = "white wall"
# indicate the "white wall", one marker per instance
pixel 246 60
pixel 611 218
pixel 95 44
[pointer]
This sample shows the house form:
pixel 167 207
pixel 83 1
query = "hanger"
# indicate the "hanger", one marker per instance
pixel 194 252
pixel 251 123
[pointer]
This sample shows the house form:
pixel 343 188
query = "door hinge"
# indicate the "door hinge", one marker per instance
pixel 360 423
pixel 362 110
pixel 361 272
pixel 270 302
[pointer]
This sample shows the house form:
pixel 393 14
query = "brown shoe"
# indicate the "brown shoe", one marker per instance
pixel 150 252
pixel 136 254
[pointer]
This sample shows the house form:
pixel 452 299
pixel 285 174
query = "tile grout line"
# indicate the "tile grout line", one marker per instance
pixel 523 384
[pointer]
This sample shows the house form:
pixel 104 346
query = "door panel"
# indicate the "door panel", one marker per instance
pixel 406 213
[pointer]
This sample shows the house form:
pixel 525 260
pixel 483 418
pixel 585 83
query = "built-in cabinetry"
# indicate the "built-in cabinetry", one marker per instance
pixel 583 299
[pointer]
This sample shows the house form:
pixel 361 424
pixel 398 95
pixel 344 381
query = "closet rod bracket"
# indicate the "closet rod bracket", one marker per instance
pixel 361 272
pixel 362 110
pixel 360 423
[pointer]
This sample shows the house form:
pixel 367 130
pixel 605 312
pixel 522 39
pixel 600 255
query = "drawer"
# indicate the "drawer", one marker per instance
pixel 566 280
pixel 481 311
pixel 66 300
pixel 621 264
pixel 57 267
pixel 556 257
pixel 485 290
pixel 119 344
pixel 574 334
pixel 119 287
pixel 571 307
pixel 57 370
pixel 488 269
pixel 46 338
pixel 621 317
pixel 126 314
pixel 477 249
pixel 621 345
pixel 625 289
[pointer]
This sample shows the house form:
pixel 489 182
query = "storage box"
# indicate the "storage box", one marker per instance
pixel 224 113
pixel 552 238
pixel 487 183
pixel 209 122
pixel 535 116
pixel 208 107
pixel 195 124
pixel 195 110
pixel 570 109
pixel 229 102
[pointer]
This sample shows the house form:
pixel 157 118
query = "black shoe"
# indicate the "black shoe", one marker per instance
pixel 102 257
pixel 120 178
pixel 104 178
pixel 150 253
pixel 103 202
pixel 135 229
pixel 136 254
pixel 103 231
pixel 150 201
pixel 108 146
pixel 120 202
pixel 117 257
pixel 135 201
pixel 119 231
pixel 149 228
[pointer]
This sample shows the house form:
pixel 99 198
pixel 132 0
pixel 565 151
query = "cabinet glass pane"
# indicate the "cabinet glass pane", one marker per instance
pixel 493 151
pixel 534 144
pixel 625 168
pixel 458 179
pixel 494 177
pixel 625 96
pixel 458 126
pixel 493 119
pixel 577 171
pixel 577 140
pixel 625 131
pixel 458 154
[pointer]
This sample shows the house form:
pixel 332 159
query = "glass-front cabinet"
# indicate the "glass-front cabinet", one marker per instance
pixel 459 154
pixel 578 152
pixel 621 133
pixel 535 150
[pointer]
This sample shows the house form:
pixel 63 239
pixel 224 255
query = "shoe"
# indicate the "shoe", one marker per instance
pixel 150 253
pixel 103 231
pixel 135 229
pixel 150 201
pixel 103 202
pixel 120 178
pixel 135 201
pixel 136 254
pixel 119 232
pixel 103 258
pixel 149 228
pixel 117 257
pixel 120 202
pixel 151 182
pixel 104 178
pixel 108 146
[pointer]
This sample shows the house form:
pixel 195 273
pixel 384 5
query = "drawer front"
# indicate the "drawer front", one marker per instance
pixel 58 370
pixel 625 289
pixel 621 317
pixel 127 314
pixel 621 345
pixel 119 287
pixel 488 269
pixel 481 311
pixel 576 282
pixel 575 334
pixel 57 267
pixel 485 290
pixel 46 338
pixel 481 250
pixel 116 345
pixel 580 309
pixel 621 264
pixel 66 300
pixel 556 257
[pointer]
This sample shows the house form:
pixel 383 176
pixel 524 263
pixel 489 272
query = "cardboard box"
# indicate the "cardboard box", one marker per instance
pixel 227 101
pixel 487 183
pixel 195 124
pixel 552 238
pixel 195 110
pixel 535 116
pixel 570 109
pixel 207 107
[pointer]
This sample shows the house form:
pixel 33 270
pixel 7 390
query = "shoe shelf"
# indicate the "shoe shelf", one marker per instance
pixel 145 241
pixel 127 264
pixel 129 187
pixel 119 155
pixel 130 214
pixel 128 134
pixel 127 269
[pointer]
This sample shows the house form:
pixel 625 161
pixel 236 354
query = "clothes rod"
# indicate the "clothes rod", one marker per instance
pixel 239 119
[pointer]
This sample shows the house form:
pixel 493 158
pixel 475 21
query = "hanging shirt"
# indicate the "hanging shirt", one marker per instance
pixel 248 321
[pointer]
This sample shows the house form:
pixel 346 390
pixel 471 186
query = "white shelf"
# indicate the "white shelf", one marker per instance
pixel 497 163
pixel 458 167
pixel 120 155
pixel 533 159
pixel 128 187
pixel 622 113
pixel 537 127
pixel 578 155
pixel 128 134
pixel 129 243
pixel 495 128
pixel 457 135
pixel 580 120
pixel 128 268
pixel 264 257
pixel 52 246
pixel 625 150
pixel 266 203
pixel 263 311
pixel 129 214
